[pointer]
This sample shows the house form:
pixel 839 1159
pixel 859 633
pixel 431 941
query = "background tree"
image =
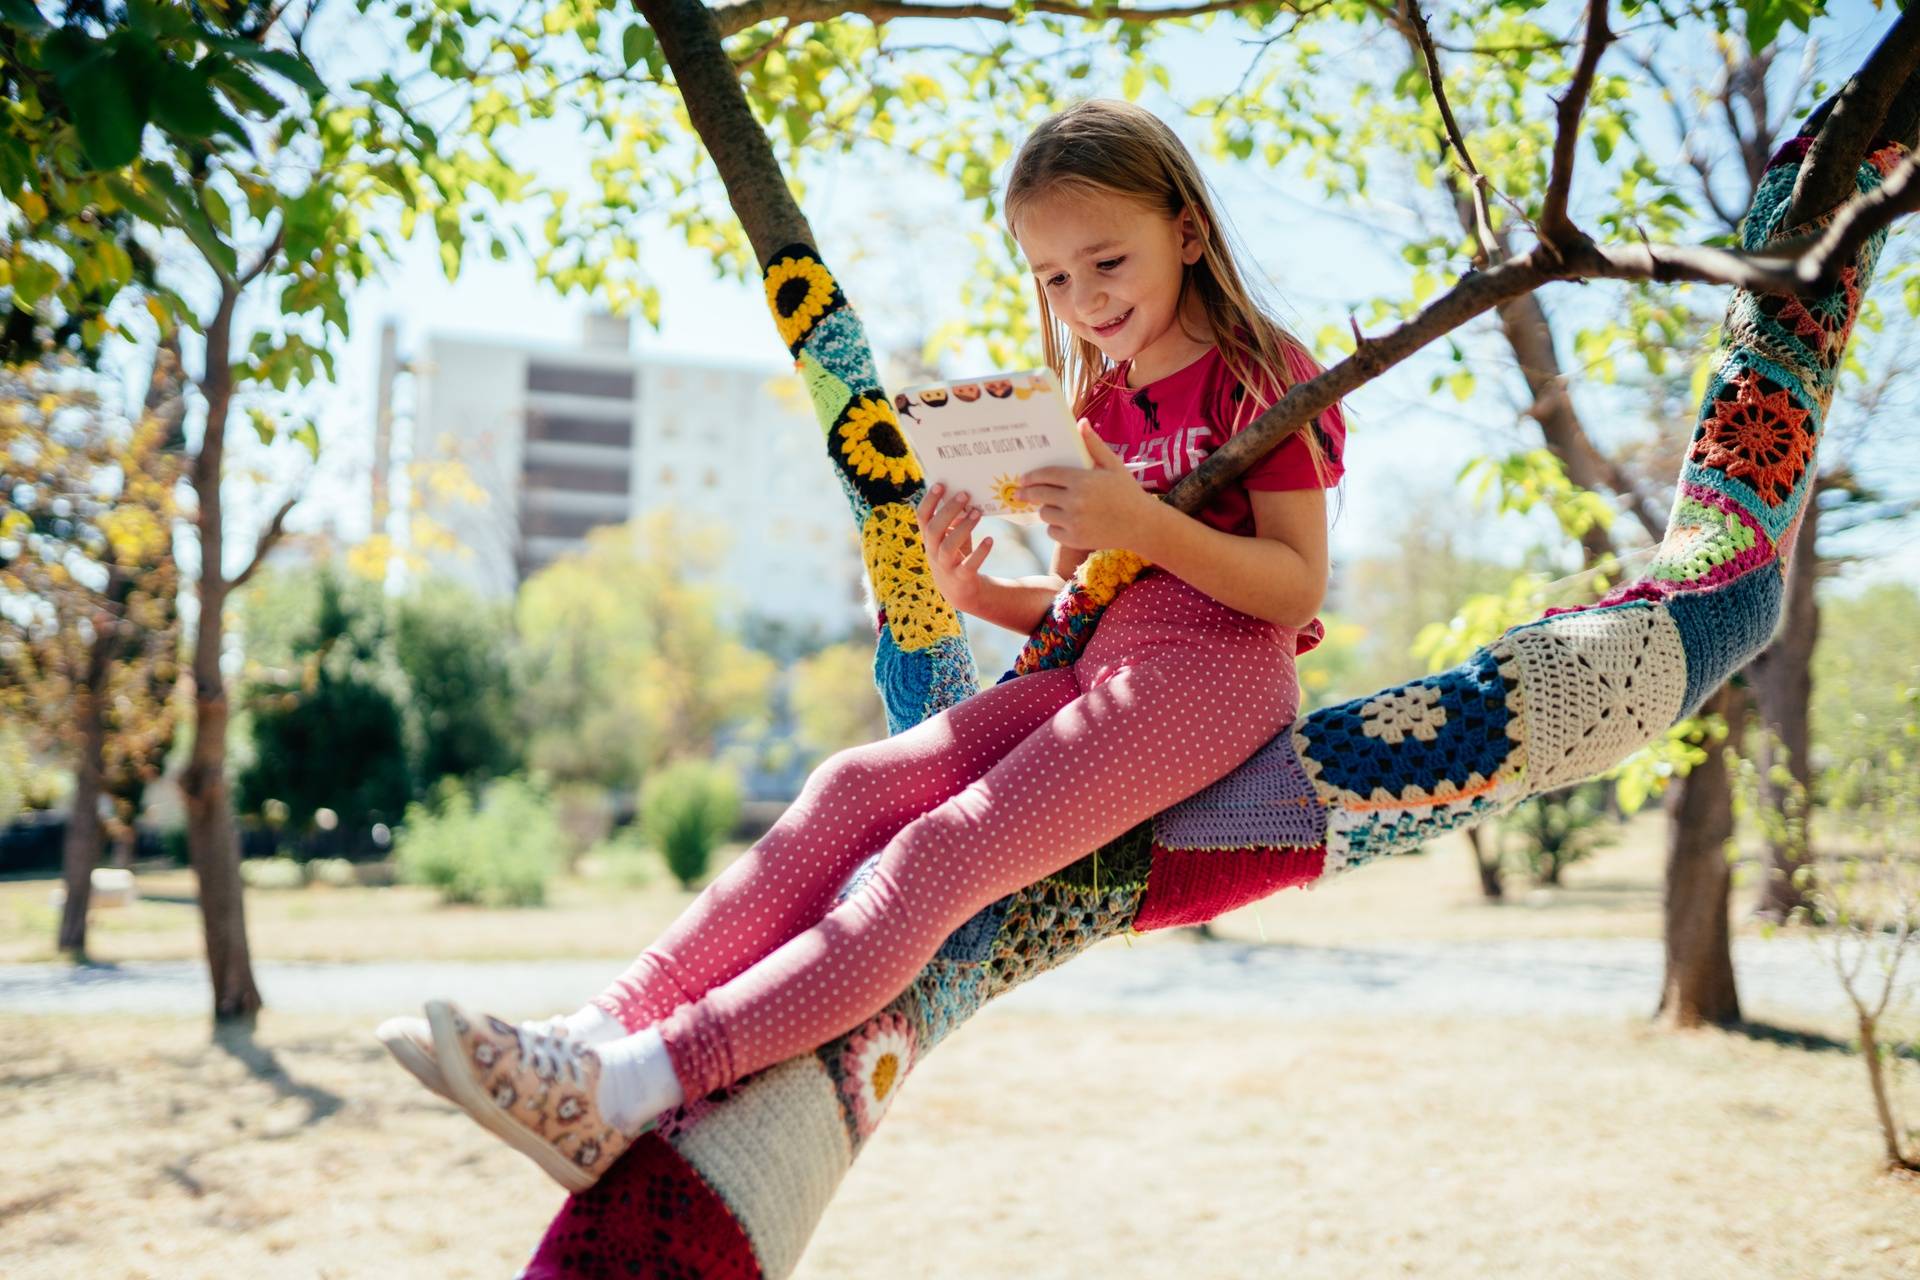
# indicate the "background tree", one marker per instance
pixel 207 137
pixel 328 732
pixel 627 657
pixel 87 583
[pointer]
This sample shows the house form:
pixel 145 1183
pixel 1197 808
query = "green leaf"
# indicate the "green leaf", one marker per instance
pixel 101 95
pixel 139 203
pixel 241 87
pixel 190 218
pixel 309 435
pixel 183 102
pixel 24 15
pixel 296 69
pixel 633 44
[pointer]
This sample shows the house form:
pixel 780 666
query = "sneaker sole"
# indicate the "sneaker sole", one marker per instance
pixel 420 1063
pixel 465 1091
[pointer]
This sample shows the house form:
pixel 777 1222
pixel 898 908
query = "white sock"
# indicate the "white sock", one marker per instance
pixel 588 1025
pixel 593 1025
pixel 636 1080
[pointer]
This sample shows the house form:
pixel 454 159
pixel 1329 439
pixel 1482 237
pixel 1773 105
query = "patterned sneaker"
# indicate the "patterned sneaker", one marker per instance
pixel 410 1041
pixel 538 1093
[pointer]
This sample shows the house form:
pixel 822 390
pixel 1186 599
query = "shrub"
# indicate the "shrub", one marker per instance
pixel 500 854
pixel 337 872
pixel 685 810
pixel 272 873
pixel 625 858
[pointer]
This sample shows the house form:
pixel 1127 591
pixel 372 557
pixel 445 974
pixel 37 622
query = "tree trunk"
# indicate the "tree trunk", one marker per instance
pixel 1699 987
pixel 1882 1104
pixel 126 840
pixel 212 844
pixel 1782 677
pixel 213 847
pixel 1492 887
pixel 80 851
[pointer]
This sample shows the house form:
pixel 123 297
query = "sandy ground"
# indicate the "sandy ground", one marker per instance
pixel 1037 1142
pixel 1029 1145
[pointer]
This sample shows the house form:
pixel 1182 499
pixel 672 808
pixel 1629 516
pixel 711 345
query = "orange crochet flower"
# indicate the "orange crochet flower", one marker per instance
pixel 1756 436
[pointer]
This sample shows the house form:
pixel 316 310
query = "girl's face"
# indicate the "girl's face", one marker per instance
pixel 1111 269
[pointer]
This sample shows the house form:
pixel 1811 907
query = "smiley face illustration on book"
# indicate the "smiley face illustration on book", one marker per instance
pixel 983 435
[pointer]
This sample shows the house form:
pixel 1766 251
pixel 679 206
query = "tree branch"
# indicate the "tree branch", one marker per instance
pixel 756 188
pixel 738 16
pixel 268 536
pixel 1423 41
pixel 267 255
pixel 1555 228
pixel 1841 135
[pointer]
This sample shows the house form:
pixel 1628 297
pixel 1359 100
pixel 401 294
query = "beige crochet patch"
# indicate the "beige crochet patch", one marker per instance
pixel 1599 684
pixel 775 1152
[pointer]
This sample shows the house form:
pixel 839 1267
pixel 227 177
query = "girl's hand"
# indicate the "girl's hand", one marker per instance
pixel 1101 506
pixel 946 530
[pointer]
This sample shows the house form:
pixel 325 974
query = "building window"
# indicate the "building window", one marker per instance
pixel 577 380
pixel 564 429
pixel 541 475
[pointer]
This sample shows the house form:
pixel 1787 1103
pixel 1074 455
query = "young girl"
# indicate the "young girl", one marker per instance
pixel 1189 672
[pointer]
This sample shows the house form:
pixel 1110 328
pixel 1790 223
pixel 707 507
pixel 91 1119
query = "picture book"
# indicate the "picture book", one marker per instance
pixel 982 435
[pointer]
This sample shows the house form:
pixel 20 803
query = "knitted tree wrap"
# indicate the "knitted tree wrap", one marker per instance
pixel 733 1184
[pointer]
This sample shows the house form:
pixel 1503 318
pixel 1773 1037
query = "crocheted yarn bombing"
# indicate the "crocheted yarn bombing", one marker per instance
pixel 739 1178
pixel 613 1231
pixel 896 559
pixel 1070 620
pixel 922 663
pixel 1267 801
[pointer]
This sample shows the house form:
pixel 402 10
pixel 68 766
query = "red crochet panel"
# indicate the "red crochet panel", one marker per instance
pixel 1192 886
pixel 651 1217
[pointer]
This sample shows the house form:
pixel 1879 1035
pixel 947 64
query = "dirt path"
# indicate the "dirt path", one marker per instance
pixel 1154 976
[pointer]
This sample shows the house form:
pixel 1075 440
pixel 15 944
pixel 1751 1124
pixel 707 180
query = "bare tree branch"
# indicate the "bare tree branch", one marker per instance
pixel 268 536
pixel 1555 228
pixel 741 14
pixel 756 188
pixel 1859 110
pixel 1483 221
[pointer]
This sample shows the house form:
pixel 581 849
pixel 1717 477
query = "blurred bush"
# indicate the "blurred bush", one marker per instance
pixel 500 853
pixel 686 809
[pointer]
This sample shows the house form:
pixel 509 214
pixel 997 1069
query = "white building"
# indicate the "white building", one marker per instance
pixel 562 439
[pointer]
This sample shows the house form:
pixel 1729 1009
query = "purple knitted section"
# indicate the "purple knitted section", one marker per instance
pixel 1268 801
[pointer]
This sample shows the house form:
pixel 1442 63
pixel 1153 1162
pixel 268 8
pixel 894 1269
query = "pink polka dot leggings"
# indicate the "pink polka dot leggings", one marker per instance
pixel 1173 690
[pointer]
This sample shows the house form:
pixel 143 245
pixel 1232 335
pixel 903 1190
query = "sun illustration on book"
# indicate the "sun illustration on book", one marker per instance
pixel 1006 488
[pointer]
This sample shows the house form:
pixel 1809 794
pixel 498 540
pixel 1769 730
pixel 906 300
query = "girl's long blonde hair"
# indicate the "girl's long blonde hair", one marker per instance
pixel 1116 148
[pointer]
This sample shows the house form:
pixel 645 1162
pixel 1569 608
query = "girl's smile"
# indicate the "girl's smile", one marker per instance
pixel 1112 269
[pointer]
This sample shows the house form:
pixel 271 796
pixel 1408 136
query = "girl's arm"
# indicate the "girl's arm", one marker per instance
pixel 1019 604
pixel 1279 574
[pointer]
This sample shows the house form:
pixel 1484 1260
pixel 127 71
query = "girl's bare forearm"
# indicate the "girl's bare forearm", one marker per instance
pixel 1018 604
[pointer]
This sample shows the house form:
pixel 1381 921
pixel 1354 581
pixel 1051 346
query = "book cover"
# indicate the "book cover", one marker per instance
pixel 982 435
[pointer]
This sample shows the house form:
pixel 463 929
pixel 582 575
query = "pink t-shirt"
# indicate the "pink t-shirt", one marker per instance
pixel 1175 422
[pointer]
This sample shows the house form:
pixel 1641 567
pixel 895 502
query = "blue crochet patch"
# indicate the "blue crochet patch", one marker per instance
pixel 1446 727
pixel 945 995
pixel 956 677
pixel 973 940
pixel 839 343
pixel 1722 628
pixel 903 679
pixel 1384 832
